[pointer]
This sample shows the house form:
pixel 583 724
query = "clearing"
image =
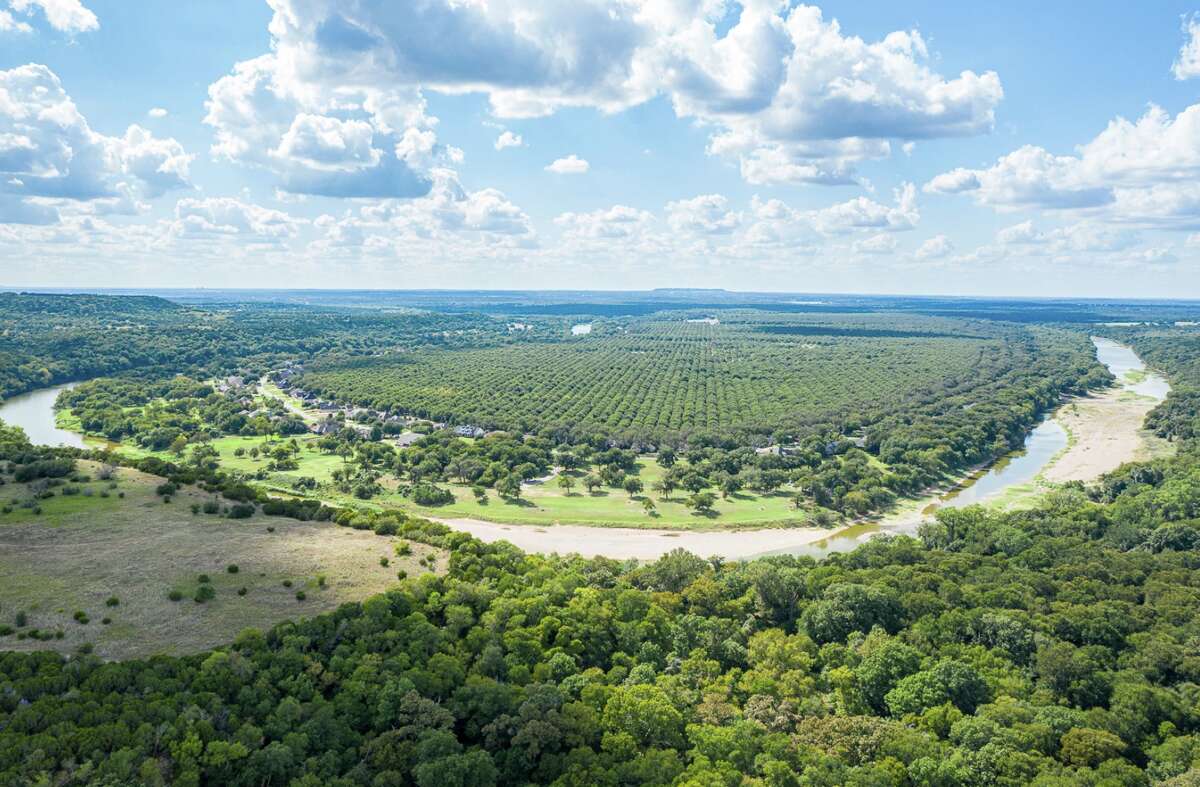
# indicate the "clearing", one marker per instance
pixel 85 547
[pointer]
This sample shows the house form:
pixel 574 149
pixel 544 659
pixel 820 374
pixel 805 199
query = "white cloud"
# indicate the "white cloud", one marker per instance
pixel 876 244
pixel 65 16
pixel 617 222
pixel 330 138
pixel 1132 171
pixel 955 181
pixel 571 165
pixel 1187 64
pixel 157 112
pixel 507 139
pixel 10 25
pixel 862 213
pixel 228 218
pixel 48 150
pixel 786 93
pixel 934 248
pixel 1020 234
pixel 707 214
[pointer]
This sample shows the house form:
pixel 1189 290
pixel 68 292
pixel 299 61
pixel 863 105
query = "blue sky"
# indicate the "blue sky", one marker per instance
pixel 1013 149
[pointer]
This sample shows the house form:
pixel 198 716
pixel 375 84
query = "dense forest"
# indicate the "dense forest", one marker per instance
pixel 1054 646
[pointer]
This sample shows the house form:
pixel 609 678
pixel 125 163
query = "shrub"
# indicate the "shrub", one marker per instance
pixel 232 568
pixel 105 621
pixel 383 561
pixel 211 507
pixel 6 629
pixel 404 549
pixel 401 574
pixel 175 595
pixel 22 620
pixel 241 511
pixel 203 579
pixel 81 617
pixel 241 591
pixel 320 580
pixel 112 601
pixel 287 583
pixel 204 593
pixel 300 596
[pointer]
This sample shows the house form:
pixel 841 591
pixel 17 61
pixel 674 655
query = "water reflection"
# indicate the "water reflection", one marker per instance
pixel 34 412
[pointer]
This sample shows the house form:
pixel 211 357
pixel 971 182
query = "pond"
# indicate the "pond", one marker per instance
pixel 34 412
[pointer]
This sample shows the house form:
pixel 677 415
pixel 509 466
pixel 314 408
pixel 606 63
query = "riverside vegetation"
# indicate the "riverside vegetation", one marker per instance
pixel 1052 646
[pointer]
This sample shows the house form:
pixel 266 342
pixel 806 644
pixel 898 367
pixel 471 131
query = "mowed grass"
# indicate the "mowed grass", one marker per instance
pixel 546 503
pixel 81 550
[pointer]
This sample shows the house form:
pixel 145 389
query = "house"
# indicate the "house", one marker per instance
pixel 325 427
pixel 407 439
pixel 466 430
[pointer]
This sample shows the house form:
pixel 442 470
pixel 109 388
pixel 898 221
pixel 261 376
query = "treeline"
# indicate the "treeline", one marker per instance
pixel 51 339
pixel 1027 648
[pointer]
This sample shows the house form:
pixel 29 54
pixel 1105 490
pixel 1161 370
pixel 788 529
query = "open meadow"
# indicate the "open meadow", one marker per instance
pixel 118 540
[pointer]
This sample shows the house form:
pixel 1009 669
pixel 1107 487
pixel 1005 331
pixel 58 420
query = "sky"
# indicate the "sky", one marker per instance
pixel 1014 149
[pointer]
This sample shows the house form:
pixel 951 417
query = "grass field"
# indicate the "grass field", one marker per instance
pixel 81 550
pixel 547 504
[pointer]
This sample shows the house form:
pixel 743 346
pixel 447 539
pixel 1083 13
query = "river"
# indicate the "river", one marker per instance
pixel 34 412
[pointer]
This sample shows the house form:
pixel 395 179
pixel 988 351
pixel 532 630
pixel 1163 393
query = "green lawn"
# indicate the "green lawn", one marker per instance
pixel 548 504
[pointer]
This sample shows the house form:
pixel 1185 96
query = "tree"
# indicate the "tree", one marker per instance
pixel 665 487
pixel 648 506
pixel 179 445
pixel 566 483
pixel 633 485
pixel 592 482
pixel 701 502
pixel 509 486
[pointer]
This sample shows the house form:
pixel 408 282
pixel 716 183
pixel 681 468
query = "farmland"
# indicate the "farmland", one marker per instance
pixel 667 375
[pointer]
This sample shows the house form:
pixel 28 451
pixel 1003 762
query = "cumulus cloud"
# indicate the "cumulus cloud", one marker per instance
pixel 321 137
pixel 225 217
pixel 571 165
pixel 785 92
pixel 935 248
pixel 507 139
pixel 707 214
pixel 876 244
pixel 8 24
pixel 1020 234
pixel 617 222
pixel 48 150
pixel 1139 171
pixel 1187 64
pixel 65 16
pixel 157 112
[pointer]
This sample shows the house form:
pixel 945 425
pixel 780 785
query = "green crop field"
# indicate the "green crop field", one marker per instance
pixel 749 371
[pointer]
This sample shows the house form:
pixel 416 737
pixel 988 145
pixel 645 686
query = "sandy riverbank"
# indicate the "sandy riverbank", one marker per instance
pixel 1106 431
pixel 642 544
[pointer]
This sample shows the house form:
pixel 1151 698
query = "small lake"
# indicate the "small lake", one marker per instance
pixel 581 329
pixel 34 412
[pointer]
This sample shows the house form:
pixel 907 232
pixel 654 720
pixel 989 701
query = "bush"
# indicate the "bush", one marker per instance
pixel 401 574
pixel 203 579
pixel 22 620
pixel 300 596
pixel 81 617
pixel 383 561
pixel 430 495
pixel 112 601
pixel 232 568
pixel 166 489
pixel 241 510
pixel 287 583
pixel 175 595
pixel 6 629
pixel 241 591
pixel 403 549
pixel 211 507
pixel 204 593
pixel 105 621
